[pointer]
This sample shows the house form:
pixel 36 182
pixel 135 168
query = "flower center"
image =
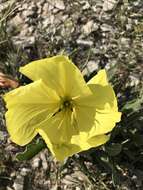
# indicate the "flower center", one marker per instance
pixel 65 104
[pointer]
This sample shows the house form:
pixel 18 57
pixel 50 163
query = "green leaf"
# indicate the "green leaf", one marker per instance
pixel 138 139
pixel 115 177
pixel 113 149
pixel 31 150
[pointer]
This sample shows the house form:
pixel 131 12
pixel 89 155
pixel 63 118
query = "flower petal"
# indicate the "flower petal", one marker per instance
pixel 59 150
pixel 59 73
pixel 104 122
pixel 28 106
pixel 59 128
pixel 78 144
pixel 100 78
pixel 94 121
pixel 107 114
pixel 85 118
pixel 85 143
pixel 99 117
pixel 104 97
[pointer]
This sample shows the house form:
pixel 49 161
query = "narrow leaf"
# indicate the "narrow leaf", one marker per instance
pixel 113 149
pixel 31 150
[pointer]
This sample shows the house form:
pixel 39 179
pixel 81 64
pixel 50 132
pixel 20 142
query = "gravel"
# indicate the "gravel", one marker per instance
pixel 96 34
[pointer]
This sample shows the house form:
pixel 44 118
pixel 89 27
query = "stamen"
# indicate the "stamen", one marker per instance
pixel 66 104
pixel 57 112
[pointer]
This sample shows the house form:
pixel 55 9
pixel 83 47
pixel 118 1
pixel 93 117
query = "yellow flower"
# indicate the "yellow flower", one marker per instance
pixel 69 114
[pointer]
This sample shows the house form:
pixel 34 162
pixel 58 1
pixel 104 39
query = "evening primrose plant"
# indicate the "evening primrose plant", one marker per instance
pixel 68 113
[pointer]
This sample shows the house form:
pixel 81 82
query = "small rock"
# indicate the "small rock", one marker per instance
pixel 2 136
pixel 49 20
pixel 24 30
pixel 55 10
pixel 85 72
pixel 24 171
pixel 129 27
pixel 45 23
pixel 36 162
pixel 106 28
pixel 125 42
pixel 46 8
pixel 19 183
pixel 17 186
pixel 55 187
pixel 44 161
pixel 134 177
pixel 68 179
pixel 86 5
pixel 89 27
pixel 59 4
pixel 30 29
pixel 84 42
pixel 77 188
pixel 25 6
pixel 90 67
pixel 11 148
pixel 17 20
pixel 109 5
pixel 13 174
pixel 27 13
pixel 39 11
pixel 24 41
pixel 46 183
pixel 8 188
pixel 133 82
pixel 3 6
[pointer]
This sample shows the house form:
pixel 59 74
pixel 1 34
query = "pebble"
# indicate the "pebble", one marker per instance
pixel 9 188
pixel 44 161
pixel 109 5
pixel 125 42
pixel 13 174
pixel 58 4
pixel 25 6
pixel 86 5
pixel 25 171
pixel 27 13
pixel 90 67
pixel 106 28
pixel 17 20
pixel 89 27
pixel 36 162
pixel 19 183
pixel 18 186
pixel 24 30
pixel 31 30
pixel 3 6
pixel 84 42
pixel 75 24
pixel 77 188
pixel 24 41
pixel 2 136
pixel 134 81
pixel 46 8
